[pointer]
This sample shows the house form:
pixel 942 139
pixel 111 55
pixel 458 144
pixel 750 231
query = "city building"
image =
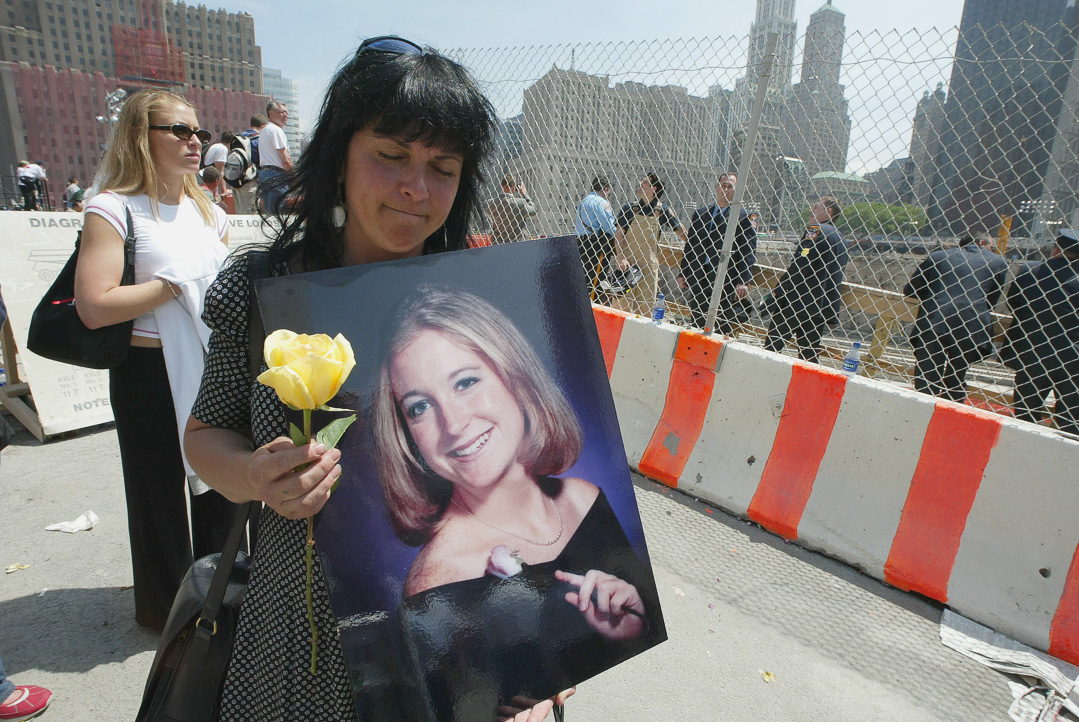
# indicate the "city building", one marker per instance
pixel 283 90
pixel 893 183
pixel 847 188
pixel 925 144
pixel 1004 101
pixel 817 122
pixel 59 60
pixel 575 126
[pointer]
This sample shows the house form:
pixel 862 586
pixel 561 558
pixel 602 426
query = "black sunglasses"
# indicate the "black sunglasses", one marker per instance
pixel 390 44
pixel 182 132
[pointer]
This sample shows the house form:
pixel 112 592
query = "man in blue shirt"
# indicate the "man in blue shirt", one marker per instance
pixel 595 229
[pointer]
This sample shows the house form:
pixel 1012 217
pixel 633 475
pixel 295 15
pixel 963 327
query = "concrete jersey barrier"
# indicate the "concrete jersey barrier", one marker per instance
pixel 964 506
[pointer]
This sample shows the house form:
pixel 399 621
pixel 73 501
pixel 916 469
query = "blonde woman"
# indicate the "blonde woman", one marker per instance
pixel 148 176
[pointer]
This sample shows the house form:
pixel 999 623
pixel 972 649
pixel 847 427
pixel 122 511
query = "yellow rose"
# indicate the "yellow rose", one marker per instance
pixel 306 371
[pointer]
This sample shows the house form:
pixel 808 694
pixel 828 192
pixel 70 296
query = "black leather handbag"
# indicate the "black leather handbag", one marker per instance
pixel 57 332
pixel 189 668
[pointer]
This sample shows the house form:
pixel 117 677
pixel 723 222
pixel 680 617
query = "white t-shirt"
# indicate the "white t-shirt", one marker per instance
pixel 31 171
pixel 159 240
pixel 216 153
pixel 271 140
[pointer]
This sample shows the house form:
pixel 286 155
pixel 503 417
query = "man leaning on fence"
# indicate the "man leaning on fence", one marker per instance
pixel 510 211
pixel 595 229
pixel 701 258
pixel 958 288
pixel 1042 344
pixel 808 296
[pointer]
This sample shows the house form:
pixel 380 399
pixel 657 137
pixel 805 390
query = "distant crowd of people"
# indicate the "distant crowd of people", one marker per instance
pixel 957 288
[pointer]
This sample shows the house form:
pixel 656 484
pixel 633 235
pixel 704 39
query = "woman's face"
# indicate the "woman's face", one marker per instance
pixel 172 156
pixel 396 194
pixel 646 191
pixel 465 422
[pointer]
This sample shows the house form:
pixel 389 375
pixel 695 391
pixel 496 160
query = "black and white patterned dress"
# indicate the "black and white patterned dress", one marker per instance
pixel 269 679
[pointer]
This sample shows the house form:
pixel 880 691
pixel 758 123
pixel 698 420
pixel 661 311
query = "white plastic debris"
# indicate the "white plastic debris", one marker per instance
pixel 1048 690
pixel 85 522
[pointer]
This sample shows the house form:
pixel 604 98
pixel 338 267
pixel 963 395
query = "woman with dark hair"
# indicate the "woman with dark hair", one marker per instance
pixel 391 172
pixel 636 243
pixel 471 434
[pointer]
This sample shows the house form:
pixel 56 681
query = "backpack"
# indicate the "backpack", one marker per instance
pixel 240 166
pixel 202 154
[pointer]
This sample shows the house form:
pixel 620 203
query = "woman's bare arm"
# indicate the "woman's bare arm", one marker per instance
pixel 294 481
pixel 99 297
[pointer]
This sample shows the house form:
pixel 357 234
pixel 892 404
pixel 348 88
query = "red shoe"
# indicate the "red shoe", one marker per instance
pixel 28 703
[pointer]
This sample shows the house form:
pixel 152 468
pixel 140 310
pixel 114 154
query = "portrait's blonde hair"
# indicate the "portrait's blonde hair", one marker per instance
pixel 128 168
pixel 415 496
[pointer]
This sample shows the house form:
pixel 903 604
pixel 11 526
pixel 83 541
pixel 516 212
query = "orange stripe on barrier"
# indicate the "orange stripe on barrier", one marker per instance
pixel 688 394
pixel 1064 631
pixel 609 323
pixel 954 453
pixel 809 413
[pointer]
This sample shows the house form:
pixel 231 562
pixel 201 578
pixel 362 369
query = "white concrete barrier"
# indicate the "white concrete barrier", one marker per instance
pixel 962 505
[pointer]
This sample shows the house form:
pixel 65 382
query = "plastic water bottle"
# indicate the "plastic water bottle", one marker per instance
pixel 659 309
pixel 853 359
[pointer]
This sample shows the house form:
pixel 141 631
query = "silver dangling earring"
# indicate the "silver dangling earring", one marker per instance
pixel 340 215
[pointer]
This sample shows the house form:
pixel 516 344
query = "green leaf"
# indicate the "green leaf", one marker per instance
pixel 296 434
pixel 332 432
pixel 324 407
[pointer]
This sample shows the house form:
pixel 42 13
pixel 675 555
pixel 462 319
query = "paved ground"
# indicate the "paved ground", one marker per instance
pixel 738 601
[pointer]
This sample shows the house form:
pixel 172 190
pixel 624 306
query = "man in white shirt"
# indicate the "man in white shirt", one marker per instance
pixel 31 182
pixel 274 158
pixel 215 157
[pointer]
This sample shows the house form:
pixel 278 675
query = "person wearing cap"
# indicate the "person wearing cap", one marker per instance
pixel 1042 343
pixel 958 289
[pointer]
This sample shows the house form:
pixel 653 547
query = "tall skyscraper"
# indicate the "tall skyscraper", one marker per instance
pixel 284 90
pixel 816 123
pixel 925 143
pixel 773 16
pixel 1004 100
pixel 58 61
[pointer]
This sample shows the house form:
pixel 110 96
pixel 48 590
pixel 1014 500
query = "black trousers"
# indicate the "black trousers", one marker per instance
pixel 1032 386
pixel 941 368
pixel 155 485
pixel 594 251
pixel 29 197
pixel 808 333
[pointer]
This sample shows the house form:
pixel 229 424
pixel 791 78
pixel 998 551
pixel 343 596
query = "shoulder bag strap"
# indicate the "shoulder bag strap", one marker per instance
pixel 128 278
pixel 206 626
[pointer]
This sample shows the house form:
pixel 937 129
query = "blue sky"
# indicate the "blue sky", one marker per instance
pixel 308 41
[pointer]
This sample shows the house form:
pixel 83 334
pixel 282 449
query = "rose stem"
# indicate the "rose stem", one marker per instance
pixel 309 549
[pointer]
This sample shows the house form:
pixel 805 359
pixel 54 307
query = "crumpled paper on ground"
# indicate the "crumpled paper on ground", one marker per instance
pixel 85 522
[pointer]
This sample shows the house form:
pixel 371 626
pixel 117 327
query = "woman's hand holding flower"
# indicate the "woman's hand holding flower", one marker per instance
pixel 610 605
pixel 295 481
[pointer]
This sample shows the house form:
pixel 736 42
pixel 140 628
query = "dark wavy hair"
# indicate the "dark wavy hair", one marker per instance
pixel 415 97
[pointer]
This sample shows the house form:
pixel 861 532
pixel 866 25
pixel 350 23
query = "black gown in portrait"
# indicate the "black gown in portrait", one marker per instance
pixel 477 643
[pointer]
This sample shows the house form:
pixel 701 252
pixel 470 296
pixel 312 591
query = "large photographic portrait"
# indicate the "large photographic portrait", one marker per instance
pixel 484 543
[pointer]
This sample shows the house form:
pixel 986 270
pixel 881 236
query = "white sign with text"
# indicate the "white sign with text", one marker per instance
pixel 35 247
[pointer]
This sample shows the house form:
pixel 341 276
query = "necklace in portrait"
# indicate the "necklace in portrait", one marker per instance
pixel 504 531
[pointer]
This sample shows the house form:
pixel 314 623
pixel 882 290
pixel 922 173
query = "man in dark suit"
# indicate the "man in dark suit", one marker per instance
pixel 1042 344
pixel 958 289
pixel 808 296
pixel 701 258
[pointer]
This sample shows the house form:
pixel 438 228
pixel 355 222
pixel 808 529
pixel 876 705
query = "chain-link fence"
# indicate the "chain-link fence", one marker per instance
pixel 925 139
